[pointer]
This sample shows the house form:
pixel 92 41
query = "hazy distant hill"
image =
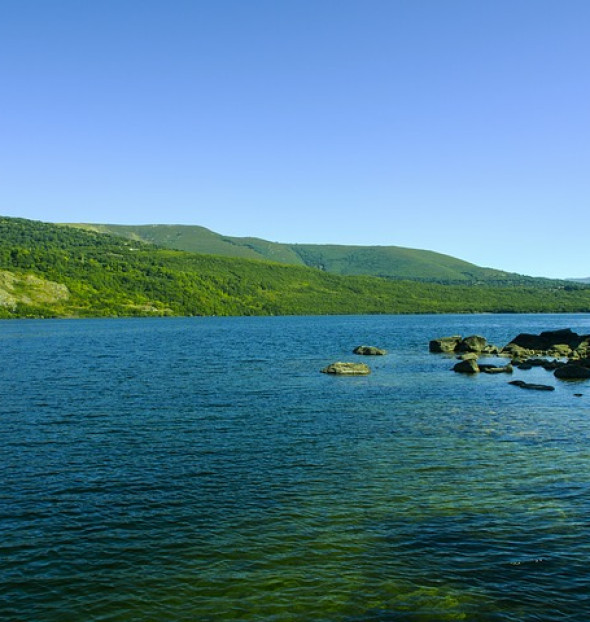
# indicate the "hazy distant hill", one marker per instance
pixel 586 280
pixel 383 261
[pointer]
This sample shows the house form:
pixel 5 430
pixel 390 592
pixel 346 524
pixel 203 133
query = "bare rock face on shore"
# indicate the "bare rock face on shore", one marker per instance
pixel 369 351
pixel 347 369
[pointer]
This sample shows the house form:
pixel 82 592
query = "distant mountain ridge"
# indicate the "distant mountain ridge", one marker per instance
pixel 392 262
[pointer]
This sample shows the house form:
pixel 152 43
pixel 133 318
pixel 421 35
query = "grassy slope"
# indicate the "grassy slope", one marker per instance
pixel 108 275
pixel 383 261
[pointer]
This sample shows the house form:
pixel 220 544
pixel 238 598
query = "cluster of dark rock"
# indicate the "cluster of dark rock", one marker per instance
pixel 557 343
pixel 569 352
pixel 475 344
pixel 354 369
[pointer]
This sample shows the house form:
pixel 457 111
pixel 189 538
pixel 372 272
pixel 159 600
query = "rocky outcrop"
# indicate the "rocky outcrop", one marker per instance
pixel 526 350
pixel 369 351
pixel 560 343
pixel 347 369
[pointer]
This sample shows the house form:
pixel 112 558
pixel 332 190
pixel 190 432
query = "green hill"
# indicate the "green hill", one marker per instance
pixel 49 270
pixel 383 261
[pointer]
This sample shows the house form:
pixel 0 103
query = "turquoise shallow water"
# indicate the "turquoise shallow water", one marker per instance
pixel 203 469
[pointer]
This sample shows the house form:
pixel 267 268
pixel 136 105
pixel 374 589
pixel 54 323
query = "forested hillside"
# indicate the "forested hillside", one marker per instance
pixel 393 262
pixel 49 270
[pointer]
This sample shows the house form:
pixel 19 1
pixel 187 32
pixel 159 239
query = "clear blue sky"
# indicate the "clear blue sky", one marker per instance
pixel 461 126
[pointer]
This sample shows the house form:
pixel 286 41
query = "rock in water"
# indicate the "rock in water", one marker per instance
pixel 369 351
pixel 468 366
pixel 474 343
pixel 347 369
pixel 572 372
pixel 444 344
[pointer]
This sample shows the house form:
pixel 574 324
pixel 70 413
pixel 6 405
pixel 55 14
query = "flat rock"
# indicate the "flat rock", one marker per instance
pixel 347 369
pixel 495 369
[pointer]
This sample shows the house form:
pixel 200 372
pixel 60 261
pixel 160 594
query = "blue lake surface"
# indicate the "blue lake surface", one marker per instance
pixel 203 469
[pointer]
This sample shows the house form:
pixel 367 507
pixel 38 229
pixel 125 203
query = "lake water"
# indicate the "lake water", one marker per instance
pixel 203 469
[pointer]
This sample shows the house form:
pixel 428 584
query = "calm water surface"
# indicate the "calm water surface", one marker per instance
pixel 203 469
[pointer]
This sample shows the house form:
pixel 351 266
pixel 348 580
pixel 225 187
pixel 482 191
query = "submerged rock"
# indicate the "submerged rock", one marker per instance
pixel 369 351
pixel 495 369
pixel 529 385
pixel 347 369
